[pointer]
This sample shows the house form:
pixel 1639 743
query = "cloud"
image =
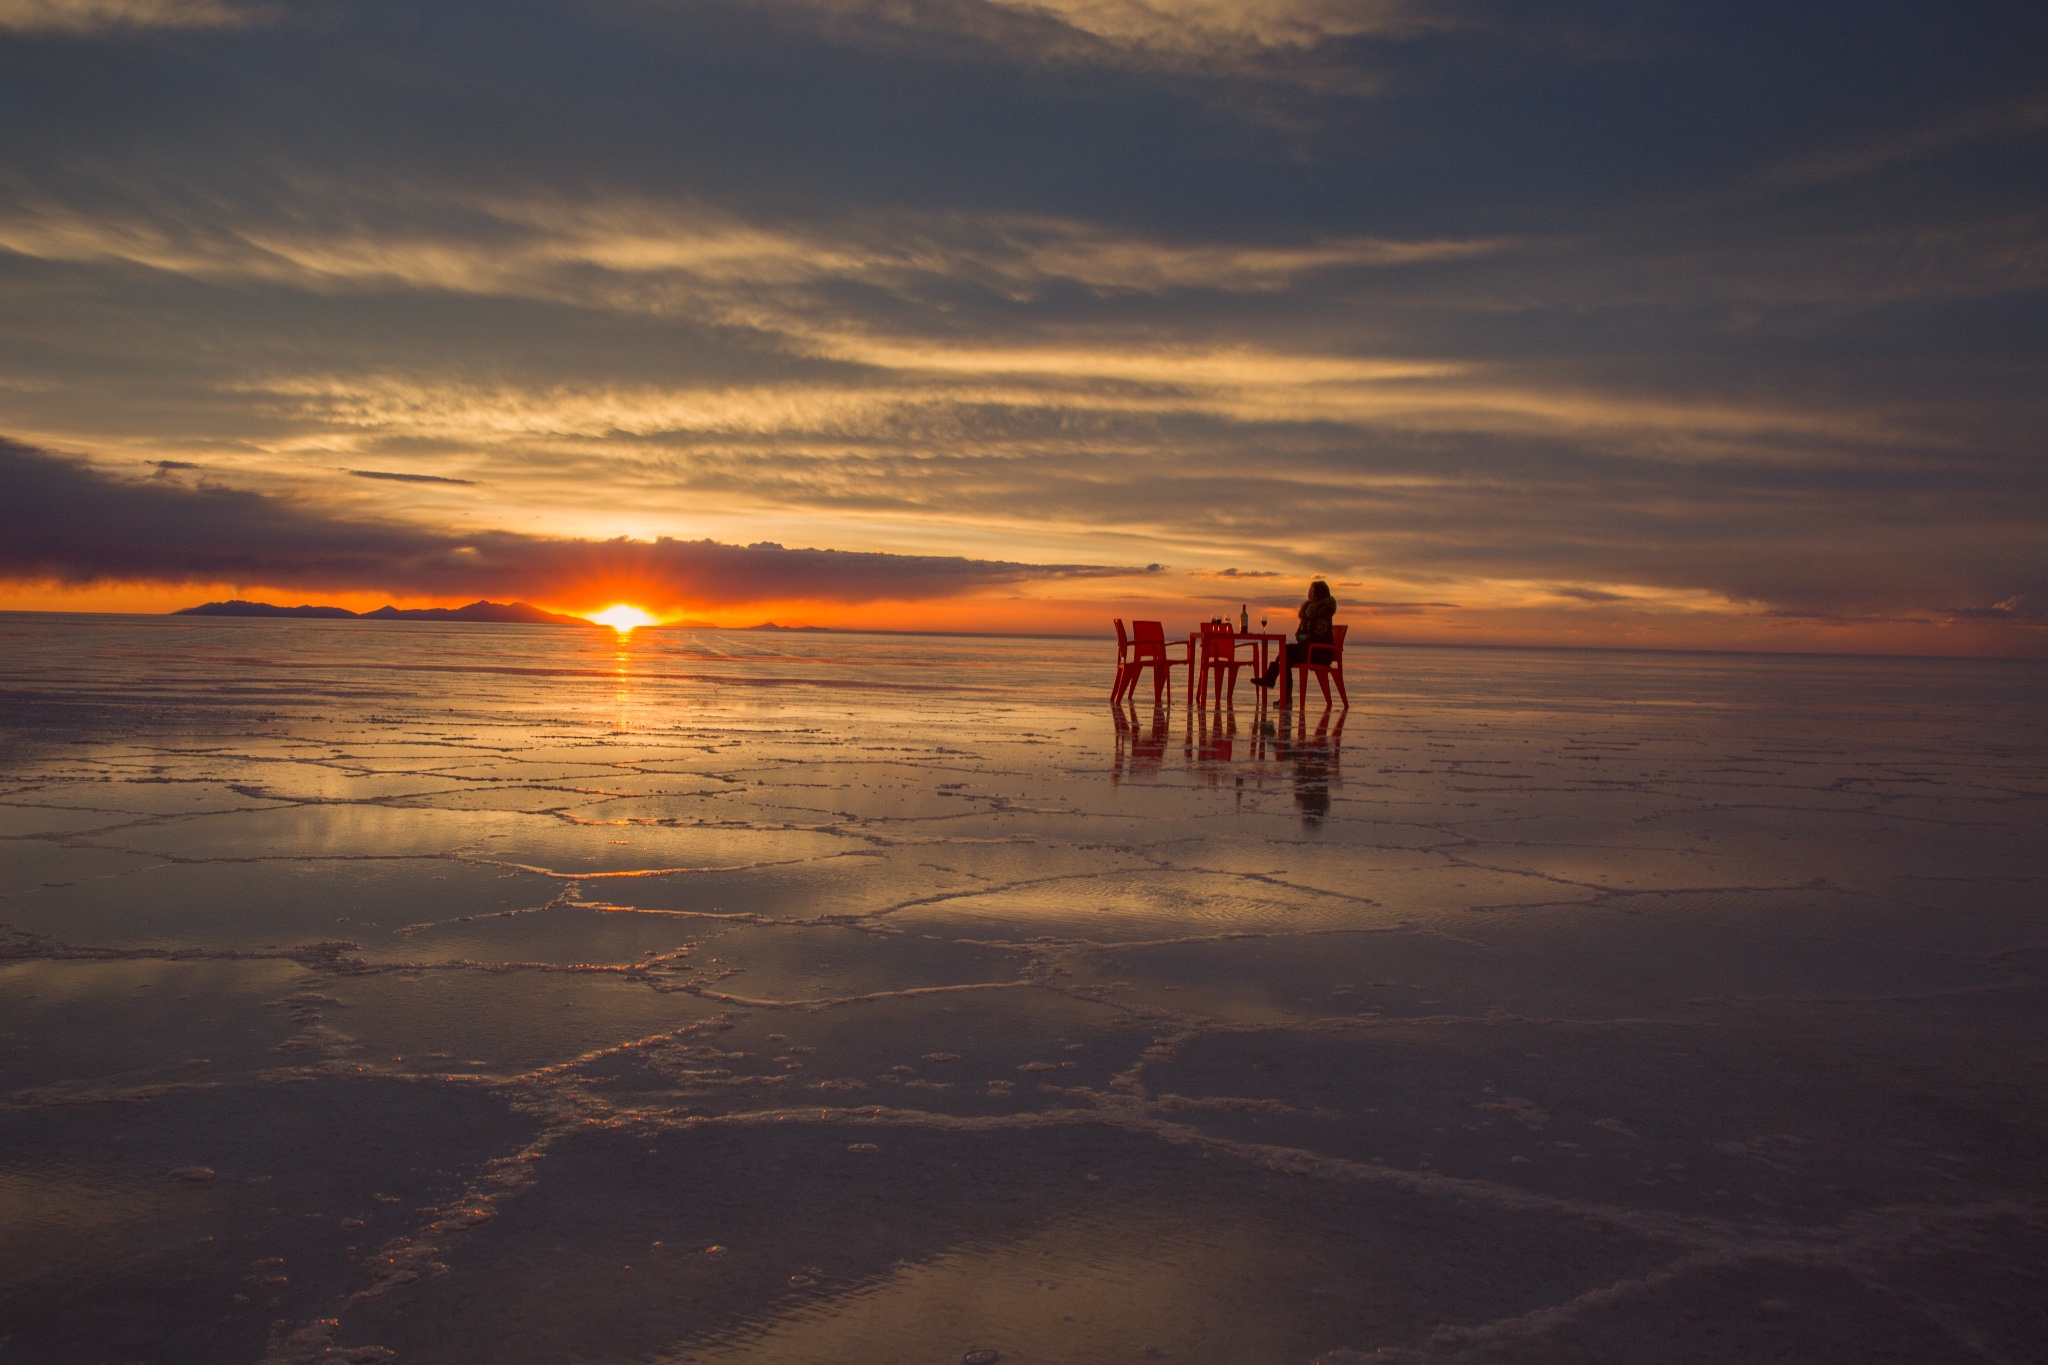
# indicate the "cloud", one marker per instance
pixel 646 254
pixel 1271 41
pixel 1206 24
pixel 62 521
pixel 87 16
pixel 1400 608
pixel 2030 608
pixel 2006 117
pixel 1834 618
pixel 408 478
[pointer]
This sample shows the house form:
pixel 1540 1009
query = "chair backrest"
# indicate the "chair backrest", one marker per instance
pixel 1219 640
pixel 1148 644
pixel 1123 641
pixel 1330 655
pixel 1337 638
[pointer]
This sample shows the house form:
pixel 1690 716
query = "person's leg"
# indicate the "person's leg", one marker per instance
pixel 1290 659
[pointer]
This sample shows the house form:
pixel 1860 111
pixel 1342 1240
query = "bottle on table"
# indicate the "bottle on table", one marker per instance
pixel 1244 620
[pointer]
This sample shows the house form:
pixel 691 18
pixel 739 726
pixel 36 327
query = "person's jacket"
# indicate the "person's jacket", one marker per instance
pixel 1316 615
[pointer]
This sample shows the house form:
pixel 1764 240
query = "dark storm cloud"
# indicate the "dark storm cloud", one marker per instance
pixel 63 522
pixel 1736 300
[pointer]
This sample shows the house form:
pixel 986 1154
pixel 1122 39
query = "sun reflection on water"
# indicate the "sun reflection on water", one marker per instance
pixel 622 682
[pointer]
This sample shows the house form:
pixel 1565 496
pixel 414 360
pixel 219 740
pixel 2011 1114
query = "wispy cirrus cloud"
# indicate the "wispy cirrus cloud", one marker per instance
pixel 547 247
pixel 1198 24
pixel 1265 42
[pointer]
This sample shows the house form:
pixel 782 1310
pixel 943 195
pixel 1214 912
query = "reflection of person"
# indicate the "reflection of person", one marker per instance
pixel 1316 616
pixel 1315 767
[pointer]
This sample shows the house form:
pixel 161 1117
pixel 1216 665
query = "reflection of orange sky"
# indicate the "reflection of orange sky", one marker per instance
pixel 1513 619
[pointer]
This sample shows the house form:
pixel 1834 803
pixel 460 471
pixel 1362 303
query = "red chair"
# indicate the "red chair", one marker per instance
pixel 1124 675
pixel 1326 662
pixel 1219 648
pixel 1150 650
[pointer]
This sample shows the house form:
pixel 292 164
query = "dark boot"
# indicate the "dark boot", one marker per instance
pixel 1271 676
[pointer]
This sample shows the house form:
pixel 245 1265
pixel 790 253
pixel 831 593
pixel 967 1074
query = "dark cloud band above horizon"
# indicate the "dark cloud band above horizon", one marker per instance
pixel 65 522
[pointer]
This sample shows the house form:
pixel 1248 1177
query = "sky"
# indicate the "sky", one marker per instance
pixel 1679 325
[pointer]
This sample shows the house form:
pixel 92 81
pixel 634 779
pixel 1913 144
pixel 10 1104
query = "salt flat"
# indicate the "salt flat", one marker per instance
pixel 502 994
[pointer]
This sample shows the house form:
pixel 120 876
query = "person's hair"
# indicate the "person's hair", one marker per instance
pixel 1318 590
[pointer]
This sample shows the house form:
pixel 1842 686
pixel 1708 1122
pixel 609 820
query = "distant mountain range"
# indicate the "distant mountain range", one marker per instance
pixel 515 613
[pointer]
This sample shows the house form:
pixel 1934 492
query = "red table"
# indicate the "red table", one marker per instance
pixel 1260 640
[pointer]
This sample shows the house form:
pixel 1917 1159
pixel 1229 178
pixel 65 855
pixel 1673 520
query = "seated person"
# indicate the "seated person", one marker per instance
pixel 1316 616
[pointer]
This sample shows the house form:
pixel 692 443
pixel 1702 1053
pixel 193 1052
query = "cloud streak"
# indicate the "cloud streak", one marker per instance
pixel 88 16
pixel 392 476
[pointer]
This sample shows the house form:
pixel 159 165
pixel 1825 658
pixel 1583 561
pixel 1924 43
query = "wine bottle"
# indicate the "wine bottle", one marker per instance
pixel 1244 620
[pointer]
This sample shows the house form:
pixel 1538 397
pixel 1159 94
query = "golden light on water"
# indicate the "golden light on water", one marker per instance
pixel 622 618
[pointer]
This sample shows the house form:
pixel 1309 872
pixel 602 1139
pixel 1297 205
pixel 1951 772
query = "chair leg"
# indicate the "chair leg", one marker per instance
pixel 1345 696
pixel 1323 680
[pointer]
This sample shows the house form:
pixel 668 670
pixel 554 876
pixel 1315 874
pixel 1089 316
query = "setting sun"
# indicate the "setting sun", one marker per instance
pixel 622 618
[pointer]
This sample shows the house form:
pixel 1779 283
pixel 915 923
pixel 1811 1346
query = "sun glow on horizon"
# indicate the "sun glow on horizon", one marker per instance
pixel 621 618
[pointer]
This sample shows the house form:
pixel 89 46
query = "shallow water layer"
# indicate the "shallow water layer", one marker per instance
pixel 376 991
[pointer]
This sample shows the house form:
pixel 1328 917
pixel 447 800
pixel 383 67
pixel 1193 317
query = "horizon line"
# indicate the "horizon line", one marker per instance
pixel 1056 635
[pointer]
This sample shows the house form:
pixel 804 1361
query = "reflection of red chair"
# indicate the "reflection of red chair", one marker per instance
pixel 1219 656
pixel 1138 752
pixel 1150 650
pixel 1326 662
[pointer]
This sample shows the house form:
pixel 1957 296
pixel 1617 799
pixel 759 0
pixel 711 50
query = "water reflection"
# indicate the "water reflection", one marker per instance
pixel 622 682
pixel 1313 758
pixel 1139 751
pixel 1277 746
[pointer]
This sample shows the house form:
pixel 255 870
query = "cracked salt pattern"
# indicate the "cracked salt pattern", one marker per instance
pixel 502 994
